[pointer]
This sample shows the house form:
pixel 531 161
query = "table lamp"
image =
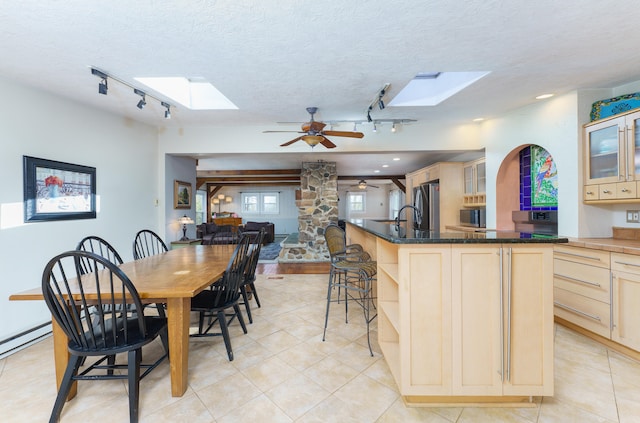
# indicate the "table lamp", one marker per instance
pixel 185 220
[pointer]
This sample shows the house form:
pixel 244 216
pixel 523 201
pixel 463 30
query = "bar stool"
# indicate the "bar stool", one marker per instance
pixel 356 278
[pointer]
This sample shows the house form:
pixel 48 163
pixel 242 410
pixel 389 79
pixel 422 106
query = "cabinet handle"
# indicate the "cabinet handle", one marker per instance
pixel 627 264
pixel 578 255
pixel 606 191
pixel 578 280
pixel 582 313
pixel 589 192
pixel 611 325
pixel 509 315
pixel 624 190
pixel 501 319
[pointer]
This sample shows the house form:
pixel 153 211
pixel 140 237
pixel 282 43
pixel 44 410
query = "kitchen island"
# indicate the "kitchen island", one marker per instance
pixel 463 318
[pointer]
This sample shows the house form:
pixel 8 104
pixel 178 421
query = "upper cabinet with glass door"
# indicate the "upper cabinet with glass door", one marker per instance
pixel 475 183
pixel 612 154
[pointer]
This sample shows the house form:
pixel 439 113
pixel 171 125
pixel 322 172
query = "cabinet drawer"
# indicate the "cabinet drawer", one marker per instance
pixel 588 281
pixel 626 190
pixel 591 192
pixel 625 262
pixel 607 191
pixel 588 256
pixel 585 312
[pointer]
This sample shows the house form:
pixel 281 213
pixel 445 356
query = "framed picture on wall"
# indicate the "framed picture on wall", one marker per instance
pixel 181 195
pixel 57 190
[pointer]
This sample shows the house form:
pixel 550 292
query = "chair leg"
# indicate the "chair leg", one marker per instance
pixel 133 369
pixel 236 308
pixel 225 333
pixel 255 293
pixel 111 361
pixel 326 315
pixel 65 387
pixel 245 299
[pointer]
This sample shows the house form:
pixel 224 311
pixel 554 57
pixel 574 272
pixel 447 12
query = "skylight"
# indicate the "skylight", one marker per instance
pixel 194 93
pixel 432 88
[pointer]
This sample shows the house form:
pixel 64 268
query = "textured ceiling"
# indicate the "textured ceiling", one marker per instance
pixel 273 59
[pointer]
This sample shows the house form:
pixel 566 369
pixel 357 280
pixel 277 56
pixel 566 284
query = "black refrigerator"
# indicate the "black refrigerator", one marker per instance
pixel 426 198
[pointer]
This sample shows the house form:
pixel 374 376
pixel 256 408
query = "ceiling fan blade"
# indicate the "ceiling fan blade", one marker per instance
pixel 344 134
pixel 297 132
pixel 313 126
pixel 290 142
pixel 327 143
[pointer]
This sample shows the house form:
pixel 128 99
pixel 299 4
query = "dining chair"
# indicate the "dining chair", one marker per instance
pixel 224 295
pixel 248 287
pixel 99 246
pixel 336 240
pixel 104 294
pixel 147 243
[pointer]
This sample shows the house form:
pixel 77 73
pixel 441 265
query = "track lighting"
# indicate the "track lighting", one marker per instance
pixel 103 88
pixel 381 104
pixel 355 126
pixel 143 100
pixel 393 127
pixel 167 113
pixel 375 128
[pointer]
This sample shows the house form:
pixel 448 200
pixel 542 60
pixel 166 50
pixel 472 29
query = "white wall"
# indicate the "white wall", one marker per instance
pixel 124 154
pixel 376 206
pixel 178 169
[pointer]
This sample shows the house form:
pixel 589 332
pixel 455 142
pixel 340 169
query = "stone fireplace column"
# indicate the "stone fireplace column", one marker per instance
pixel 317 208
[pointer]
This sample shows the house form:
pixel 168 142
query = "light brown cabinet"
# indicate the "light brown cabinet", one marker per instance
pixel 475 183
pixel 599 291
pixel 612 159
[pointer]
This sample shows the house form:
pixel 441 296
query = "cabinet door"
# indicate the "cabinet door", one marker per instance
pixel 626 309
pixel 604 150
pixel 633 146
pixel 468 179
pixel 528 318
pixel 476 320
pixel 481 177
pixel 425 322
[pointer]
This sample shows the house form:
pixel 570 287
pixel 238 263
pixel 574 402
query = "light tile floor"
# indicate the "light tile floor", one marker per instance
pixel 283 372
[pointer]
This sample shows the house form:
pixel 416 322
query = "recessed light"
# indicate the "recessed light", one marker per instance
pixel 385 165
pixel 376 171
pixel 395 159
pixel 543 96
pixel 478 119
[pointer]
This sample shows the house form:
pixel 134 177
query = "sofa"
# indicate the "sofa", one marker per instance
pixel 269 230
pixel 217 234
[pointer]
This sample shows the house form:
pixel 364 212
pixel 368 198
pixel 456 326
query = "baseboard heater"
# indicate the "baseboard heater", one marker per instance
pixel 23 339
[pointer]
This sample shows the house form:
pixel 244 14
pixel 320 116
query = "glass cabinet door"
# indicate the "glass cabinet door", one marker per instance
pixel 481 179
pixel 633 162
pixel 468 179
pixel 603 149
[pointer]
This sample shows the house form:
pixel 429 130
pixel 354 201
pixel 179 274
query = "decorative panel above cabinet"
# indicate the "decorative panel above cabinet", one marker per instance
pixel 475 183
pixel 612 159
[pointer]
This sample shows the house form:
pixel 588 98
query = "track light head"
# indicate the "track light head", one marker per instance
pixel 143 101
pixel 375 128
pixel 102 87
pixel 393 127
pixel 381 104
pixel 167 113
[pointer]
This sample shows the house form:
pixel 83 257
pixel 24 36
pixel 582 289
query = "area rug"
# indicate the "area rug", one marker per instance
pixel 271 250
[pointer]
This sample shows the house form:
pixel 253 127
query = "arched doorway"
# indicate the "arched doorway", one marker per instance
pixel 526 180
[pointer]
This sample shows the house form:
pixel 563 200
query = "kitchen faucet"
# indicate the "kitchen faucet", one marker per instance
pixel 417 212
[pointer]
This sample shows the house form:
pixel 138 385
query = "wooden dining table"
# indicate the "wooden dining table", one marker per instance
pixel 173 278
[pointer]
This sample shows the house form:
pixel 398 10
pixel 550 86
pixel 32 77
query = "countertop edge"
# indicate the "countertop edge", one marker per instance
pixel 460 240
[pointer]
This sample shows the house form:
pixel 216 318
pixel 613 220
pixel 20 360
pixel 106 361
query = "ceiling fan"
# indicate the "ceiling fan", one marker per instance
pixel 314 133
pixel 362 184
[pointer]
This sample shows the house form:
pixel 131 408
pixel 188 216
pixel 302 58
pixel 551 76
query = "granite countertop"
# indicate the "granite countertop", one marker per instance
pixel 387 230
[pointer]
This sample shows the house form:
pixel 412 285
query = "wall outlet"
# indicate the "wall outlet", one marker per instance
pixel 633 216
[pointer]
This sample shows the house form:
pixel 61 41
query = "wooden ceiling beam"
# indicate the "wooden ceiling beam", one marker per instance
pixel 216 173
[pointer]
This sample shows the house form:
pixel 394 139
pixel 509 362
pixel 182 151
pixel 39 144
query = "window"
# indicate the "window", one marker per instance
pixel 201 208
pixel 260 202
pixel 356 202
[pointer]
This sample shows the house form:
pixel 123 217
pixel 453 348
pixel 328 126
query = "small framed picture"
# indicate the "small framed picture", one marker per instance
pixel 181 195
pixel 58 191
